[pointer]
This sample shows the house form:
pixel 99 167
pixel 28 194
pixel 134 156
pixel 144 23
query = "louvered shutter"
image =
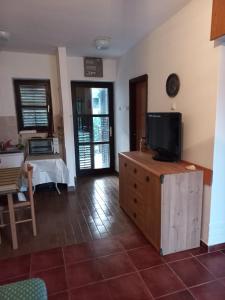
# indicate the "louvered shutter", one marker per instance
pixel 33 104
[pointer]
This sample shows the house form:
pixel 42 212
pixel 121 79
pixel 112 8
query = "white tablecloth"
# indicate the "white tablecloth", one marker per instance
pixel 48 168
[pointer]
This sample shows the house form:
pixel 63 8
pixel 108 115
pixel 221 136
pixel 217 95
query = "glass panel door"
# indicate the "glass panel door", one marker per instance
pixel 93 127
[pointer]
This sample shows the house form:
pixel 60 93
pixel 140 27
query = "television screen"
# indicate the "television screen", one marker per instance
pixel 164 135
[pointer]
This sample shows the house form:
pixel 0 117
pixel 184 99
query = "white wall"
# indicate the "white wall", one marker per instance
pixel 67 114
pixel 14 65
pixel 217 213
pixel 181 45
pixel 25 66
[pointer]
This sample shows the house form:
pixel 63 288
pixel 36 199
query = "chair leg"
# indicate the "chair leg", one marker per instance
pixel 31 198
pixel 1 223
pixel 12 221
pixel 33 220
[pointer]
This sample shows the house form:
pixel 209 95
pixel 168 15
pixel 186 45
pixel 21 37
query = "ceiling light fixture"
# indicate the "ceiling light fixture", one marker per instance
pixel 102 43
pixel 4 36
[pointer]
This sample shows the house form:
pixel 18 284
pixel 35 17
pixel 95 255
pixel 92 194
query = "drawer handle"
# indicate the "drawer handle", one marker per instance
pixel 135 171
pixel 135 185
pixel 125 165
pixel 135 200
pixel 147 178
pixel 135 215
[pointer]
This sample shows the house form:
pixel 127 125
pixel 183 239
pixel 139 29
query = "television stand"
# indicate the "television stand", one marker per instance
pixel 163 199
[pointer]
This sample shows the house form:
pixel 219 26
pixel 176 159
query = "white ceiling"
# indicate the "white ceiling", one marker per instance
pixel 42 25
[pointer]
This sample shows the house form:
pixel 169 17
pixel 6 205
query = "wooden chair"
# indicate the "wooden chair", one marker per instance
pixel 18 205
pixel 1 220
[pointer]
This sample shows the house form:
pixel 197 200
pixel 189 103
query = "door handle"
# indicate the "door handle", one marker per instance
pixel 110 131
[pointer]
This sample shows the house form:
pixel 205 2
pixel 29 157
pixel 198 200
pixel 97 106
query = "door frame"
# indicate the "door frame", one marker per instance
pixel 97 84
pixel 132 110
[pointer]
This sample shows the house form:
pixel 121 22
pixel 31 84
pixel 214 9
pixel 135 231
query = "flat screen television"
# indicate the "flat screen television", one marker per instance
pixel 164 135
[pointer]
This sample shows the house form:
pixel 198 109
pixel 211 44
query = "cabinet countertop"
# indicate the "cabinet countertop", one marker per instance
pixel 145 160
pixel 11 151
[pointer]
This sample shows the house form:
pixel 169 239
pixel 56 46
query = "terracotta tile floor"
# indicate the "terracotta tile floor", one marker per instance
pixel 91 212
pixel 87 249
pixel 123 267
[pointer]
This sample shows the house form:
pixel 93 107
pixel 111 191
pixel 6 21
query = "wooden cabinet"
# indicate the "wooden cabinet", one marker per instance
pixel 163 199
pixel 218 19
pixel 11 160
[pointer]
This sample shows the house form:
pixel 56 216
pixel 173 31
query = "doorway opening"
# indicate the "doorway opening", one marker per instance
pixel 138 88
pixel 93 127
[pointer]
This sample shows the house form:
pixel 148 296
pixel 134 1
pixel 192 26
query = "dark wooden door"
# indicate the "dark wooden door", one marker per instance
pixel 138 110
pixel 93 127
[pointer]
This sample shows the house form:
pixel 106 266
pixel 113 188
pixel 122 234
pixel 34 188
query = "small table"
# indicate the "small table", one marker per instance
pixel 48 168
pixel 9 184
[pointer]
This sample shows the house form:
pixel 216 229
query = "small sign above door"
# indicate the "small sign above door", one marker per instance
pixel 93 67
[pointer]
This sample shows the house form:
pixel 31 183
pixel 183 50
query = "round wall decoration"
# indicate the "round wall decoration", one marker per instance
pixel 172 85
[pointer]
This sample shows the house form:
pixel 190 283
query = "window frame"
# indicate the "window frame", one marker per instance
pixel 19 106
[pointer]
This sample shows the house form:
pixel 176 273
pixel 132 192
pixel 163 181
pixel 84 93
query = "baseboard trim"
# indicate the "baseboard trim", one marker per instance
pixel 213 248
pixel 116 173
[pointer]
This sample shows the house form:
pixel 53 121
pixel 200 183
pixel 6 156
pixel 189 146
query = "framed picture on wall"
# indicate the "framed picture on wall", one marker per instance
pixel 93 67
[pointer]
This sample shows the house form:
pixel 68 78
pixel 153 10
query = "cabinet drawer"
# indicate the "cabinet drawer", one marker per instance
pixel 136 201
pixel 133 170
pixel 136 216
pixel 135 185
pixel 138 172
pixel 123 163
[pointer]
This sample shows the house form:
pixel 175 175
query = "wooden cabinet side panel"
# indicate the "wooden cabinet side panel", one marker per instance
pixel 181 211
pixel 218 19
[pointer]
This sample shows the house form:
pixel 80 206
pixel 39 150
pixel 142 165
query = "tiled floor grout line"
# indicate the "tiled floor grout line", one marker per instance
pixel 30 266
pixel 81 210
pixel 62 291
pixel 182 259
pixel 201 254
pixel 139 275
pixel 66 277
pixel 48 269
pixel 169 294
pixel 145 285
pixel 93 258
pixel 86 220
pixel 123 251
pixel 180 279
pixel 203 283
pixel 206 268
pixel 137 271
pixel 101 281
pixel 102 210
pixel 137 248
pixel 58 293
pixel 14 277
pixel 197 285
